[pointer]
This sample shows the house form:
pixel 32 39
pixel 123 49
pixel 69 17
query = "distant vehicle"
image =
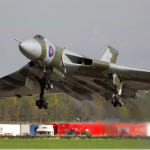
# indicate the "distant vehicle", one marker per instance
pixel 45 130
pixel 10 129
pixel 83 78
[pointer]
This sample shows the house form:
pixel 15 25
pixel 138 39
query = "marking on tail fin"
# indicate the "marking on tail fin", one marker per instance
pixel 110 55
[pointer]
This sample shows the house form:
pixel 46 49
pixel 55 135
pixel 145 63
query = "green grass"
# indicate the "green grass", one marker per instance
pixel 73 143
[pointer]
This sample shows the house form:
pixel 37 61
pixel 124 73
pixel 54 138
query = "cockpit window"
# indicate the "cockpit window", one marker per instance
pixel 39 36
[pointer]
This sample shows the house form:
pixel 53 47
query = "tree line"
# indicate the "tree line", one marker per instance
pixel 60 108
pixel 63 108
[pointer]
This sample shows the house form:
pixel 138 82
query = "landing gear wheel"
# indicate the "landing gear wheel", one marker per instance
pixel 40 107
pixel 46 106
pixel 38 103
pixel 113 100
pixel 116 101
pixel 119 101
pixel 115 104
pixel 121 104
pixel 43 103
pixel 46 86
pixel 51 86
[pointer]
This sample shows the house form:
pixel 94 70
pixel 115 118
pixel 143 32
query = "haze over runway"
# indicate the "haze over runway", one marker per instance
pixel 82 26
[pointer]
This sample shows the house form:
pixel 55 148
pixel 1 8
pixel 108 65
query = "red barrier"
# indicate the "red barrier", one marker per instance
pixel 94 128
pixel 123 129
pixel 113 129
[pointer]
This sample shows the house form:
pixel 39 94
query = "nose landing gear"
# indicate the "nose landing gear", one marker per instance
pixel 45 85
pixel 41 103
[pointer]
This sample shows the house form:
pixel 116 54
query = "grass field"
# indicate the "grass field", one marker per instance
pixel 73 143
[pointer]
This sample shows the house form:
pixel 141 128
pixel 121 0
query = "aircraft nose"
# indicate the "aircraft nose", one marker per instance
pixel 31 49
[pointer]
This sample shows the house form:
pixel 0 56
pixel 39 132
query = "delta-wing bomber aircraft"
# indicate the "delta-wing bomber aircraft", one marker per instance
pixel 54 70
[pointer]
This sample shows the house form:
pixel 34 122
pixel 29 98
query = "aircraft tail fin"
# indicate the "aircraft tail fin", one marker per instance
pixel 110 55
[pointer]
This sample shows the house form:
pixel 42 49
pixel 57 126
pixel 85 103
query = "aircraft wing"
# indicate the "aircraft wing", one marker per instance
pixel 134 79
pixel 104 77
pixel 15 84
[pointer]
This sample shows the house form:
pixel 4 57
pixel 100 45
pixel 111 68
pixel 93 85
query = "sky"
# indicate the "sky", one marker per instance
pixel 86 27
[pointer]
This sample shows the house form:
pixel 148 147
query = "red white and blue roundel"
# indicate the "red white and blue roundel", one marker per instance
pixel 51 51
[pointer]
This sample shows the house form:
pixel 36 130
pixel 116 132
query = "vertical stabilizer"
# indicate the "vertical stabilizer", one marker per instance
pixel 110 55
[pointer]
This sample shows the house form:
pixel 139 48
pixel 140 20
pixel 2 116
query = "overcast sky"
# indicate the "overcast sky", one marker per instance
pixel 86 27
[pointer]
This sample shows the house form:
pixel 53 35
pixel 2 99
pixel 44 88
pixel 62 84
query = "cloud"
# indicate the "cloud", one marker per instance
pixel 99 37
pixel 125 43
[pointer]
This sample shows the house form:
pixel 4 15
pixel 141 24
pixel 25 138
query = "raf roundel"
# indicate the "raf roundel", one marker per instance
pixel 51 51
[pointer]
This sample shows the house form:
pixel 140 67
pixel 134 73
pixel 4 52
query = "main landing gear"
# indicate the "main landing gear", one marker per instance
pixel 116 101
pixel 118 82
pixel 45 85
